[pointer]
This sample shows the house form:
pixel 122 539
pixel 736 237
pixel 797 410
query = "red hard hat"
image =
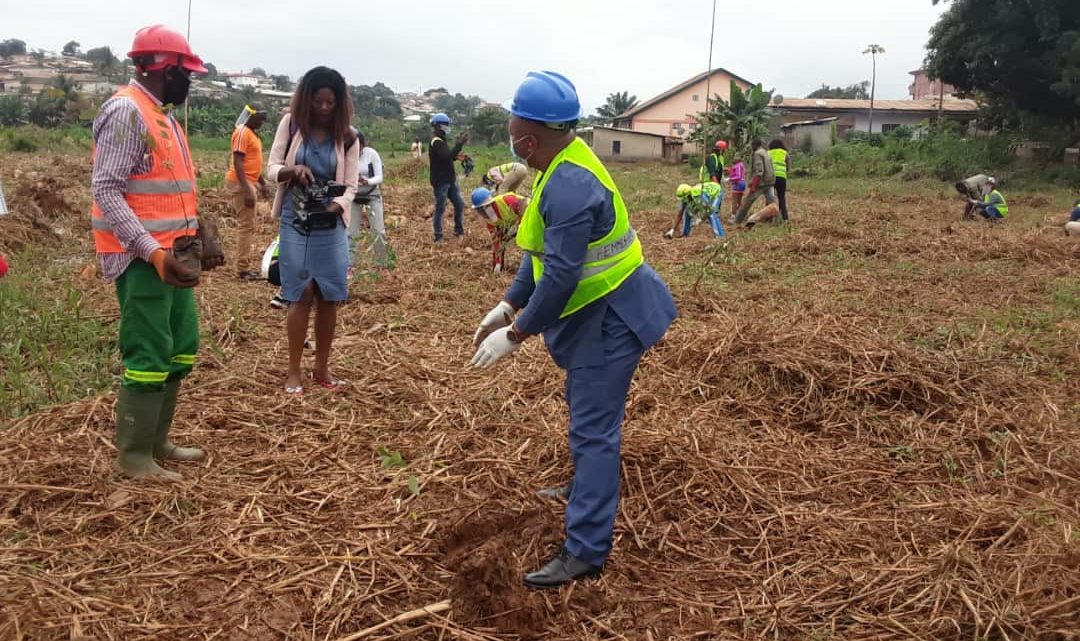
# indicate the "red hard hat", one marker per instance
pixel 721 145
pixel 168 48
pixel 3 267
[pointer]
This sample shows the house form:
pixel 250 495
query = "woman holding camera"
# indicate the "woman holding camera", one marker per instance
pixel 315 161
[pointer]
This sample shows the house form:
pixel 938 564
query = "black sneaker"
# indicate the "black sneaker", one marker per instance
pixel 277 302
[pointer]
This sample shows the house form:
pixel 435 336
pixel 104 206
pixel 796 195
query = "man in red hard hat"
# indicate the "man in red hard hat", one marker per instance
pixel 713 169
pixel 143 185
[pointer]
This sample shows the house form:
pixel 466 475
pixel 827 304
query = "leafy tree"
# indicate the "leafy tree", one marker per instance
pixel 211 71
pixel 103 59
pixel 489 126
pixel 747 115
pixel 616 103
pixel 12 47
pixel 38 55
pixel 282 82
pixel 12 111
pixel 258 72
pixel 375 101
pixel 71 49
pixel 1022 59
pixel 460 108
pixel 857 91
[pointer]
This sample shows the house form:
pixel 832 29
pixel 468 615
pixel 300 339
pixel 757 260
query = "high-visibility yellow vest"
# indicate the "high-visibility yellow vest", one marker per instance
pixel 608 261
pixel 779 162
pixel 1003 207
pixel 704 175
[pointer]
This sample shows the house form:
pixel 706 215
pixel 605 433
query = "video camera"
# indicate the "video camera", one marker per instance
pixel 310 205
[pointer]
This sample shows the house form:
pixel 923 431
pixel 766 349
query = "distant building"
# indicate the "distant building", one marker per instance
pixel 610 143
pixel 674 112
pixel 923 88
pixel 888 114
pixel 243 79
pixel 814 136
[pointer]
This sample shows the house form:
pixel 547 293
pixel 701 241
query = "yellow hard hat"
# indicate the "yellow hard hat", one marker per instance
pixel 682 191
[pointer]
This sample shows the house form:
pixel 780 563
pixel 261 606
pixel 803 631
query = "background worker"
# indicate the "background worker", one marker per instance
pixel 781 161
pixel 144 200
pixel 697 203
pixel 993 206
pixel 506 177
pixel 369 197
pixel 973 188
pixel 417 149
pixel 245 174
pixel 737 180
pixel 443 178
pixel 1072 228
pixel 713 169
pixel 584 284
pixel 501 214
pixel 762 183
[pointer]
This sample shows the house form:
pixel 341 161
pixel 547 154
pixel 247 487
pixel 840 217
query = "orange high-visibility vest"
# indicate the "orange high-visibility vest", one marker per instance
pixel 164 198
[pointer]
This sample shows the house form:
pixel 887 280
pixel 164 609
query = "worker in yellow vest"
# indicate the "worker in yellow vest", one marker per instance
pixel 584 284
pixel 993 206
pixel 143 186
pixel 507 177
pixel 781 161
pixel 501 214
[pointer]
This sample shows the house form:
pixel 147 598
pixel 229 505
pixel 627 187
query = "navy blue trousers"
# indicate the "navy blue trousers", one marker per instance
pixel 597 401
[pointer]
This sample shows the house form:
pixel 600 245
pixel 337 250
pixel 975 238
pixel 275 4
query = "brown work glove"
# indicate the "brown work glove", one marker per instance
pixel 173 272
pixel 213 254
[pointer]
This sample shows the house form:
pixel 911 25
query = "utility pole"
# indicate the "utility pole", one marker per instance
pixel 188 101
pixel 708 88
pixel 873 50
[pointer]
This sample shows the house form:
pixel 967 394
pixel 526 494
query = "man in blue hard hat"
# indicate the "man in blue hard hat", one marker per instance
pixel 443 177
pixel 585 286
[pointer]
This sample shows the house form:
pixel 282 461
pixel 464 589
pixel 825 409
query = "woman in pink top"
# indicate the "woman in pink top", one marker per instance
pixel 737 176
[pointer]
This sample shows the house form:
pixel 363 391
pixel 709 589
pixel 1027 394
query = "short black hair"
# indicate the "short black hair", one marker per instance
pixel 757 144
pixel 777 144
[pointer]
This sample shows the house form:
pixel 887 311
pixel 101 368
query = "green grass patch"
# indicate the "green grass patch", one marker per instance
pixel 51 351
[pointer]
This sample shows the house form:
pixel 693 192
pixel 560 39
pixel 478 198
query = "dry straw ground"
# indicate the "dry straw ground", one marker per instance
pixel 864 427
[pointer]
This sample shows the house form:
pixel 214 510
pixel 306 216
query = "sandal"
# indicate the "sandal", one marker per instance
pixel 333 384
pixel 294 390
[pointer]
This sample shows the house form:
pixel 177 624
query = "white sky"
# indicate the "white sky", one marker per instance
pixel 484 47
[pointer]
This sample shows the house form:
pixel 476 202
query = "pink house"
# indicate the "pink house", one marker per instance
pixel 674 112
pixel 923 88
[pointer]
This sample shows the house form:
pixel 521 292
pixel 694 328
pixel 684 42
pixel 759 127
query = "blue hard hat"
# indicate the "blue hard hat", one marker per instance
pixel 440 119
pixel 481 197
pixel 545 96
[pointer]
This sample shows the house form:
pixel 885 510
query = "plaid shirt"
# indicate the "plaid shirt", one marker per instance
pixel 121 151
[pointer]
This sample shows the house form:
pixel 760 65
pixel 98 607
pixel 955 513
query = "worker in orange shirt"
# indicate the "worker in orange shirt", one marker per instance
pixel 244 177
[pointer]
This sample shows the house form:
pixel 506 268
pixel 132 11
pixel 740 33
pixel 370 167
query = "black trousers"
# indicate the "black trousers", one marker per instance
pixel 781 195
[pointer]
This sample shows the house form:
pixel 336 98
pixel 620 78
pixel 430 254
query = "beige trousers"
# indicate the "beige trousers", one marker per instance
pixel 245 225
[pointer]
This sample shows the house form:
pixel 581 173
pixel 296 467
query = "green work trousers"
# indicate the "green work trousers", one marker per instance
pixel 159 329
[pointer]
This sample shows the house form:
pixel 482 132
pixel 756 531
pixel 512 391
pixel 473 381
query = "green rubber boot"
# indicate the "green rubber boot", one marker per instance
pixel 163 447
pixel 137 416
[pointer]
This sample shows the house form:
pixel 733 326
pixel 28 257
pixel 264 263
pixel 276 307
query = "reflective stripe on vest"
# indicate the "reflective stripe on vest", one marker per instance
pixel 779 162
pixel 152 226
pixel 164 198
pixel 506 168
pixel 1002 207
pixel 608 261
pixel 159 186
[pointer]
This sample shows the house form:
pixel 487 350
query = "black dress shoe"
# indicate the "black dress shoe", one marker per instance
pixel 556 493
pixel 561 570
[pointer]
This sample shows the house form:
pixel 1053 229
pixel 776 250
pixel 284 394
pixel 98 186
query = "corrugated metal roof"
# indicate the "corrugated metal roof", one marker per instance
pixel 844 104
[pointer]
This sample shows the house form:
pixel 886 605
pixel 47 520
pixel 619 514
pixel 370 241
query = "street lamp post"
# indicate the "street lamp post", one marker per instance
pixel 873 50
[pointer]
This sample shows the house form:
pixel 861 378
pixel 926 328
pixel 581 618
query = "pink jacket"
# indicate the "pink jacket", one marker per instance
pixel 348 167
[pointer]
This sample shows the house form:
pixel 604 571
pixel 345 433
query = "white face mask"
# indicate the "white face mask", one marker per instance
pixel 517 158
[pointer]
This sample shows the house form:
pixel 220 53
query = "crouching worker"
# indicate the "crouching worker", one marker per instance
pixel 697 203
pixel 501 214
pixel 993 206
pixel 1072 228
pixel 973 188
pixel 144 224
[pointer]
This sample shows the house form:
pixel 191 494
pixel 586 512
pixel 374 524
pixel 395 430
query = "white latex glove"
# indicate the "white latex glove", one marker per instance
pixel 494 348
pixel 500 316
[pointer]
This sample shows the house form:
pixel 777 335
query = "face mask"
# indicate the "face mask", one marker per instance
pixel 513 151
pixel 176 88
